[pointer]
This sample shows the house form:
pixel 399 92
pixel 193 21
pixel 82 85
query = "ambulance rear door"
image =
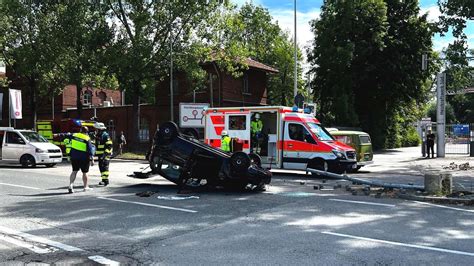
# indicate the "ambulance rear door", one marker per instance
pixel 238 126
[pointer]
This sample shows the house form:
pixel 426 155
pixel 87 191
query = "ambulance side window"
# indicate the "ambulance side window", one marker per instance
pixel 237 122
pixel 298 132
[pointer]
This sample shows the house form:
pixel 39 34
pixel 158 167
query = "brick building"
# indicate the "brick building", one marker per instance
pixel 221 90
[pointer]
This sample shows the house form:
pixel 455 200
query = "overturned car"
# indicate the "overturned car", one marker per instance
pixel 188 162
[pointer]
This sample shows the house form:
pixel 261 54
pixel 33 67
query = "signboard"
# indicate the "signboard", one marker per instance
pixel 192 114
pixel 461 130
pixel 426 120
pixel 15 104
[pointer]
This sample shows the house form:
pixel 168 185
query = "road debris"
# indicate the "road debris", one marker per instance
pixel 461 167
pixel 177 197
pixel 145 193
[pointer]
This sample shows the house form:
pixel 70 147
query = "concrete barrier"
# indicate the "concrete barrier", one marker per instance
pixel 438 183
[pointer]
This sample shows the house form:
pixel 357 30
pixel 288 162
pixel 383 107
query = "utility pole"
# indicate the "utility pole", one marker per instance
pixel 295 89
pixel 441 114
pixel 171 63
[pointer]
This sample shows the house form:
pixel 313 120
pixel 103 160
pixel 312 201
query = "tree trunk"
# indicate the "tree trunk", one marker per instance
pixel 136 114
pixel 78 98
pixel 33 104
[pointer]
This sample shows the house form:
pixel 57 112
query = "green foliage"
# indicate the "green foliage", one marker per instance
pixel 411 138
pixel 450 113
pixel 366 61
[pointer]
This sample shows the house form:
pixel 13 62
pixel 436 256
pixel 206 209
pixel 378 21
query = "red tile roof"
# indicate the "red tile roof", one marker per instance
pixel 255 64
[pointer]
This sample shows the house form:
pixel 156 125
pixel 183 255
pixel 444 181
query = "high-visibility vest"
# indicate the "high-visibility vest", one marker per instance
pixel 225 143
pixel 256 126
pixel 79 142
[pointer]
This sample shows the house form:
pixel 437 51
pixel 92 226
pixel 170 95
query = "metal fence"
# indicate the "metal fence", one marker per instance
pixel 457 138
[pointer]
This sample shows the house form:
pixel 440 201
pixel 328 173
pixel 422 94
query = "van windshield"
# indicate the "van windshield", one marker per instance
pixel 320 131
pixel 32 136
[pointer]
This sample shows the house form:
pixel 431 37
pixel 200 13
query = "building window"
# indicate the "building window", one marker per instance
pixel 144 130
pixel 111 129
pixel 102 96
pixel 87 98
pixel 245 84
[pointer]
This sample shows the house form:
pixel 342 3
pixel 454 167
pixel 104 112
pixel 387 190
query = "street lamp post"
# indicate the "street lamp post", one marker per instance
pixel 295 89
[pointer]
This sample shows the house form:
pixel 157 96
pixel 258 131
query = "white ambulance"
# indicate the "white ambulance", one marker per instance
pixel 290 139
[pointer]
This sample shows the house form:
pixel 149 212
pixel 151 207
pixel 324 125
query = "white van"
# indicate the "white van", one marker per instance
pixel 28 148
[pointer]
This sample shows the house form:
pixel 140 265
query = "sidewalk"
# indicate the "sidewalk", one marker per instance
pixel 406 165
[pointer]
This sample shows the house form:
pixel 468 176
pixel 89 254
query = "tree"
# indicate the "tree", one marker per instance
pixel 24 45
pixel 365 57
pixel 145 32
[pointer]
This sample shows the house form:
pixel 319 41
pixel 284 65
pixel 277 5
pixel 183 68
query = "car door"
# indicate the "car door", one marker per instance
pixel 13 146
pixel 298 146
pixel 238 126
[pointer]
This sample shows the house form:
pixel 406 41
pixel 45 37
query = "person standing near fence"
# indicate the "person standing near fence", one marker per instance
pixel 430 140
pixel 121 141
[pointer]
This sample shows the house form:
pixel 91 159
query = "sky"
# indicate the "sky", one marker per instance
pixel 282 11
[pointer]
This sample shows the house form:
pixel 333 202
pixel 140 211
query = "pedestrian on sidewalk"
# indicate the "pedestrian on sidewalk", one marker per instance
pixel 430 140
pixel 122 141
pixel 82 152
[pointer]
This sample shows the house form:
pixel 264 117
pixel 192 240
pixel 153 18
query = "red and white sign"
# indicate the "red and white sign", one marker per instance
pixel 15 104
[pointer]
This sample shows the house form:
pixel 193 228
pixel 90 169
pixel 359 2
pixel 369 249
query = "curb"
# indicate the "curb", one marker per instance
pixel 442 200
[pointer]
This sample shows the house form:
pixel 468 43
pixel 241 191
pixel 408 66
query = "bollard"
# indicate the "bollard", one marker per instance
pixel 471 144
pixel 438 183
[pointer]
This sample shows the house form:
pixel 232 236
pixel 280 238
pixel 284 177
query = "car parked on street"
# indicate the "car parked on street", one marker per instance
pixel 360 141
pixel 186 161
pixel 27 148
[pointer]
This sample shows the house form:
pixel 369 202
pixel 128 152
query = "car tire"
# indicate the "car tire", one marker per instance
pixel 191 132
pixel 256 159
pixel 168 132
pixel 27 161
pixel 49 165
pixel 239 162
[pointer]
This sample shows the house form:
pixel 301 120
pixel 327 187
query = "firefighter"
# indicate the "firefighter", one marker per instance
pixel 256 127
pixel 225 141
pixel 104 152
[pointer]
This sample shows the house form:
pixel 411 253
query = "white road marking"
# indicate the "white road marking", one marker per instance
pixel 149 205
pixel 25 245
pixel 444 207
pixel 402 244
pixel 13 185
pixel 102 260
pixel 364 202
pixel 39 239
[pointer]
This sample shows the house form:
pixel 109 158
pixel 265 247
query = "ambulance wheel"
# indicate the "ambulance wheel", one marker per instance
pixel 318 164
pixel 27 161
pixel 168 131
pixel 240 162
pixel 256 159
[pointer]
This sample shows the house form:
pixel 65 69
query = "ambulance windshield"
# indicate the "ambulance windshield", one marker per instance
pixel 320 132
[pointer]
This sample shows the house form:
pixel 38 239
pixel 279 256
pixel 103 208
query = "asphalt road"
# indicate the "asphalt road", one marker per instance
pixel 290 223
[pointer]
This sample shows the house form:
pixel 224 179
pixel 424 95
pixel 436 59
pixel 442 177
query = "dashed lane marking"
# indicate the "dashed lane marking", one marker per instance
pixel 104 261
pixel 149 205
pixel 444 207
pixel 443 250
pixel 364 202
pixel 13 185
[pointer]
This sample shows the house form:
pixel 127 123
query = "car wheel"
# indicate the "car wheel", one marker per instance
pixel 256 159
pixel 318 164
pixel 49 165
pixel 155 164
pixel 191 132
pixel 27 161
pixel 240 162
pixel 168 131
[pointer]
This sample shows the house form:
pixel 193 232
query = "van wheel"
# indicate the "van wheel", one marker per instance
pixel 318 164
pixel 27 161
pixel 49 165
